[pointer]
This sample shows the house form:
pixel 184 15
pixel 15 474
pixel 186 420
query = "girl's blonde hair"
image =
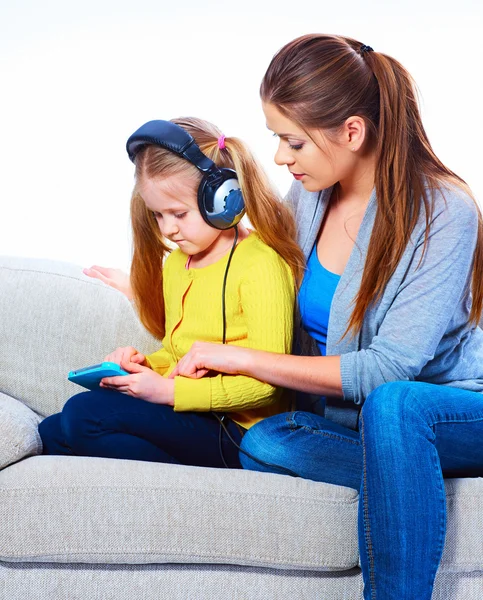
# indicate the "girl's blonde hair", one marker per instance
pixel 272 220
pixel 318 81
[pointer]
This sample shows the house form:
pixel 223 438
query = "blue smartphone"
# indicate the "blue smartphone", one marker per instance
pixel 90 377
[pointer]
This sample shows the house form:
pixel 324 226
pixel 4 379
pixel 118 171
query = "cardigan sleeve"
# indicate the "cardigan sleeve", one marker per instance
pixel 267 294
pixel 435 286
pixel 159 361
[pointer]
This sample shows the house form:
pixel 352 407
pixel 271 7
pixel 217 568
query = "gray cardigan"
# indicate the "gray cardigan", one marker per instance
pixel 419 330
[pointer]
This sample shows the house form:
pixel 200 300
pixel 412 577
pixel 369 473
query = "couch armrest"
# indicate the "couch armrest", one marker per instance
pixel 19 436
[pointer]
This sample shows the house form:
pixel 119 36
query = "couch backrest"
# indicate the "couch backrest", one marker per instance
pixel 54 319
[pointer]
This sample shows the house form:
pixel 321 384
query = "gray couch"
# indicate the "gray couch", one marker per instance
pixel 94 528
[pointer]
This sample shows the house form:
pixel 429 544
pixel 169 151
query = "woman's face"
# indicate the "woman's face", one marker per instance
pixel 317 164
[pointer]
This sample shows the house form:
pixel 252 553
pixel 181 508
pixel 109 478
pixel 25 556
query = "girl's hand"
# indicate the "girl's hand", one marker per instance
pixel 143 383
pixel 113 277
pixel 203 357
pixel 125 355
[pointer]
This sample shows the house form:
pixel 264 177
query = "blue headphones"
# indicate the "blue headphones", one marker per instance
pixel 220 200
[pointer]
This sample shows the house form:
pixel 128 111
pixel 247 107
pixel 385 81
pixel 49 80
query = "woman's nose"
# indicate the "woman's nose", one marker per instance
pixel 283 156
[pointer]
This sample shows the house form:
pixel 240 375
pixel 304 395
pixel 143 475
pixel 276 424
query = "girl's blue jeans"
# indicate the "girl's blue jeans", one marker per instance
pixel 411 435
pixel 110 424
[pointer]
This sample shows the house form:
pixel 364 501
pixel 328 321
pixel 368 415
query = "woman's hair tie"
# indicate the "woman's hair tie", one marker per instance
pixel 221 142
pixel 365 49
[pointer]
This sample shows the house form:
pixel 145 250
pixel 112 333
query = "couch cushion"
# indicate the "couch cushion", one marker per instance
pixel 464 535
pixel 19 436
pixel 94 510
pixel 53 319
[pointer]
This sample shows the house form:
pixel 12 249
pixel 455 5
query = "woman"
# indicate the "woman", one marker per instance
pixel 391 300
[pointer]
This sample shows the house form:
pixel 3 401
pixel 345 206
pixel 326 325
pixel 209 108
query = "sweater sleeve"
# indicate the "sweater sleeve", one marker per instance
pixel 267 296
pixel 158 361
pixel 433 288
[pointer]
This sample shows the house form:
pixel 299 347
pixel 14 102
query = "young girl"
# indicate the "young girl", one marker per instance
pixel 223 284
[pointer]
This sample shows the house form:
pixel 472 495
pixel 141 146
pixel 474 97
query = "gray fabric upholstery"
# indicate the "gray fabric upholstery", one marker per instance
pixel 21 581
pixel 175 514
pixel 54 319
pixel 77 528
pixel 39 581
pixel 19 431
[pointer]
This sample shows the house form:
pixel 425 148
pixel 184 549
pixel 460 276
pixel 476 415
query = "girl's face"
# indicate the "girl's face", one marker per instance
pixel 174 204
pixel 317 169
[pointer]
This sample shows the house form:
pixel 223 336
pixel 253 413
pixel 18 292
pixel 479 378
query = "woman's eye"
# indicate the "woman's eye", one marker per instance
pixel 180 215
pixel 156 215
pixel 295 146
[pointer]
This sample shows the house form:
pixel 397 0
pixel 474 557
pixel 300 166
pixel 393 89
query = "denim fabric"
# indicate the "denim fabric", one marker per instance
pixel 412 434
pixel 110 424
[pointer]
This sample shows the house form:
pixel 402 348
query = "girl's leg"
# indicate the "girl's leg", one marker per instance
pixel 110 424
pixel 412 433
pixel 307 445
pixel 53 439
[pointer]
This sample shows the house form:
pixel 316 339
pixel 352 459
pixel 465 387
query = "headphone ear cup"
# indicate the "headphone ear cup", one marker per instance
pixel 221 205
pixel 235 204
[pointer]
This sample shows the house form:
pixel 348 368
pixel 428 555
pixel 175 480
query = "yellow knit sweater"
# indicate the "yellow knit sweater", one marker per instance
pixel 259 299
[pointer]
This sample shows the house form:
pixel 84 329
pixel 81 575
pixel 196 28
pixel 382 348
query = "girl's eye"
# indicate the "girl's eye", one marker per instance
pixel 180 215
pixel 156 215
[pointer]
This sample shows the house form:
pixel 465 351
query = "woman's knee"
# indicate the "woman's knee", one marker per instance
pixel 392 408
pixel 265 441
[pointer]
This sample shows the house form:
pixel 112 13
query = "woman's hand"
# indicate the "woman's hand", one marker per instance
pixel 143 383
pixel 203 357
pixel 113 277
pixel 125 355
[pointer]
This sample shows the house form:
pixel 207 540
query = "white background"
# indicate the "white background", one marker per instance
pixel 77 78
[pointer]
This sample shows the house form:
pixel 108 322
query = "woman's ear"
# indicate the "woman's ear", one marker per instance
pixel 353 133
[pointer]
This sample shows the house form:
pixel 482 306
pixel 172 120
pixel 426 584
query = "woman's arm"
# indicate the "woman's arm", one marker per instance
pixel 408 337
pixel 311 374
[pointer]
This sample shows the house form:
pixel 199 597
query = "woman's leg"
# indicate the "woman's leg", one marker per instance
pixel 307 445
pixel 412 433
pixel 110 424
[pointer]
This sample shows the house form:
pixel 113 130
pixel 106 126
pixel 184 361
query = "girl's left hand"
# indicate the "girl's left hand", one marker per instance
pixel 142 382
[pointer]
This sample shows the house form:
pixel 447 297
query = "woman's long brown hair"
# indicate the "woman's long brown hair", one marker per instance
pixel 272 220
pixel 318 81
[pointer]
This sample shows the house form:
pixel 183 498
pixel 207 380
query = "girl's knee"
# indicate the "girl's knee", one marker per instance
pixel 49 429
pixel 78 414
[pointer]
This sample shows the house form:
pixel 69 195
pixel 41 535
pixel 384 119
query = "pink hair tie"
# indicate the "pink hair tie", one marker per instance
pixel 221 142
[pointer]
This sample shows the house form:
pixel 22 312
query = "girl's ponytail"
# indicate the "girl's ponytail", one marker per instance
pixel 271 219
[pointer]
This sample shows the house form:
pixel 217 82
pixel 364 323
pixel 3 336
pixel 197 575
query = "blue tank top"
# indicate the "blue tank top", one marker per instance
pixel 315 297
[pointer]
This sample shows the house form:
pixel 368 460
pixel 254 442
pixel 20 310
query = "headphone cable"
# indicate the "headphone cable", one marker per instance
pixel 220 419
pixel 223 290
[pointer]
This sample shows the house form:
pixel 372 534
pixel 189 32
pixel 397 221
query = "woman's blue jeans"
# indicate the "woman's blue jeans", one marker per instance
pixel 411 435
pixel 110 424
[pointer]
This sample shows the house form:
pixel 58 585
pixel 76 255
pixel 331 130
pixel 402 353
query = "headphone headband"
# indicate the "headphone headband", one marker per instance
pixel 172 137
